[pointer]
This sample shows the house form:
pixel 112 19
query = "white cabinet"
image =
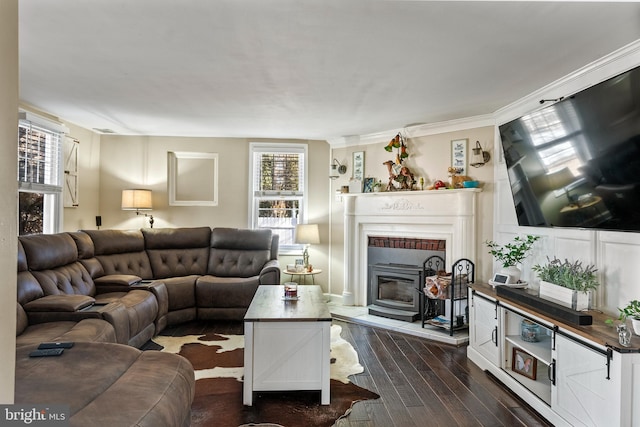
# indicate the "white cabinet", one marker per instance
pixel 587 390
pixel 572 375
pixel 483 330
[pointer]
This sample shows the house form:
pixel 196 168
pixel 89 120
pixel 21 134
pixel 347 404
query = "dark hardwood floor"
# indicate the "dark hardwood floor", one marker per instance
pixel 420 382
pixel 425 383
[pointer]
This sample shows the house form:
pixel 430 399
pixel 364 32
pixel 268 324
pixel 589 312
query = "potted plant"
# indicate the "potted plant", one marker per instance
pixel 512 254
pixel 632 310
pixel 570 283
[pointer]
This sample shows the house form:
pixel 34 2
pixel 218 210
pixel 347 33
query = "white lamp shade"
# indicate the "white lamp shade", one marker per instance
pixel 307 234
pixel 136 199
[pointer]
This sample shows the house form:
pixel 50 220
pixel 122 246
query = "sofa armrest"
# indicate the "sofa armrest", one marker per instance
pixel 270 273
pixel 115 283
pixel 159 290
pixel 116 314
pixel 61 311
pixel 59 303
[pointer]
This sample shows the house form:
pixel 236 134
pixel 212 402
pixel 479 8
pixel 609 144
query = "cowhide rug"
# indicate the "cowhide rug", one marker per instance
pixel 218 363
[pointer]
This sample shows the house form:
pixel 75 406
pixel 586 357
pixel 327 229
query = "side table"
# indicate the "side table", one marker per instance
pixel 303 275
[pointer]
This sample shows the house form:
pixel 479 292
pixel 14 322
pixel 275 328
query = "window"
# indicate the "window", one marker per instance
pixel 39 175
pixel 278 193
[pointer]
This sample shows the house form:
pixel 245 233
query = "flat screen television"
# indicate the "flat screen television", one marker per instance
pixel 576 162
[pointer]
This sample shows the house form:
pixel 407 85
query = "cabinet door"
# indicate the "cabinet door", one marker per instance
pixel 484 328
pixel 582 394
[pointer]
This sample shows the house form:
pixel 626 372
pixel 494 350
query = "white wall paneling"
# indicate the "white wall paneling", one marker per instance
pixel 615 254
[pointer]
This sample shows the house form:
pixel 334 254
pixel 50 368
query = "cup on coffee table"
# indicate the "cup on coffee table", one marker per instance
pixel 290 290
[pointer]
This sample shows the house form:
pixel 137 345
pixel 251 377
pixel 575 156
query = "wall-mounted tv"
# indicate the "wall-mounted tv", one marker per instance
pixel 576 162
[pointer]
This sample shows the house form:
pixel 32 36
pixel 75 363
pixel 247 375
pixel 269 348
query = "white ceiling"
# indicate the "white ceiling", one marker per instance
pixel 311 69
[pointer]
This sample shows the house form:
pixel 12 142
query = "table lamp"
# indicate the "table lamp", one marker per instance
pixel 307 234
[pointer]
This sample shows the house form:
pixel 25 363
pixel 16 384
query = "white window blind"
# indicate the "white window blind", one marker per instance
pixel 39 156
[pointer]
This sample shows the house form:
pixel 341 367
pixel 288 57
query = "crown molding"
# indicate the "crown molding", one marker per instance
pixel 616 62
pixel 414 131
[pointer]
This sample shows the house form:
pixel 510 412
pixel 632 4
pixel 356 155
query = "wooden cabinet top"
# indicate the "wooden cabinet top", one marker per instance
pixel 599 332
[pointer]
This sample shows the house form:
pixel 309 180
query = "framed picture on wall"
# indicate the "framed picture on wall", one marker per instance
pixel 358 165
pixel 459 155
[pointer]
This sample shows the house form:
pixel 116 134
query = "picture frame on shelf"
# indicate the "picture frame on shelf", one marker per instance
pixel 368 185
pixel 358 165
pixel 459 155
pixel 524 364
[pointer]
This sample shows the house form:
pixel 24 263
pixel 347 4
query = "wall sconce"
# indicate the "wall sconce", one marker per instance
pixel 336 169
pixel 479 157
pixel 138 200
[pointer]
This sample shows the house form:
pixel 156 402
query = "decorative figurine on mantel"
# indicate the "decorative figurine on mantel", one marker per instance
pixel 400 177
pixel 456 179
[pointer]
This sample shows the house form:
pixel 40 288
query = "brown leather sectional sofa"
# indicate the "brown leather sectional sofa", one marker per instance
pixel 105 288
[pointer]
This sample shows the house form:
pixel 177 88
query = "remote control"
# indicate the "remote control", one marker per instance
pixel 46 345
pixel 47 352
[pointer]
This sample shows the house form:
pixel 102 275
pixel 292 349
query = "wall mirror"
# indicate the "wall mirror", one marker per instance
pixel 193 178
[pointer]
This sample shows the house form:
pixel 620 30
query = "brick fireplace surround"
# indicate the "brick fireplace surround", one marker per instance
pixel 406 243
pixel 440 215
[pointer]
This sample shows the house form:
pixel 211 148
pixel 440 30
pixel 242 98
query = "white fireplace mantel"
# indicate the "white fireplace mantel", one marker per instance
pixel 448 215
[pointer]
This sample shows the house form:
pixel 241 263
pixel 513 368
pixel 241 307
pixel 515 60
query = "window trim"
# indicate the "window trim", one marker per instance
pixel 54 223
pixel 275 147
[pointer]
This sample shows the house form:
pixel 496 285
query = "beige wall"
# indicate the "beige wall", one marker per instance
pixel 141 162
pixel 8 194
pixel 429 157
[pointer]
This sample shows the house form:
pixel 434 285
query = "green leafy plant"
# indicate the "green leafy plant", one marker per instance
pixel 631 310
pixel 571 275
pixel 512 253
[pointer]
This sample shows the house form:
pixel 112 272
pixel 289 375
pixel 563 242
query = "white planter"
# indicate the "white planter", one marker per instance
pixel 566 297
pixel 512 271
pixel 636 325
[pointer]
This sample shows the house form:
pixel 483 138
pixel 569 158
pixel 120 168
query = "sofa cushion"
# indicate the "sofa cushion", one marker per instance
pixel 238 252
pixel 177 251
pixel 119 252
pixel 109 384
pixel 86 330
pixel 28 287
pixel 46 251
pixel 67 279
pixel 225 292
pixel 243 239
pixel 107 242
pixel 176 238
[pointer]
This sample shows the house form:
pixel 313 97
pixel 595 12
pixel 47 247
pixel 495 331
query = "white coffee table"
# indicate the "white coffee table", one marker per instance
pixel 287 342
